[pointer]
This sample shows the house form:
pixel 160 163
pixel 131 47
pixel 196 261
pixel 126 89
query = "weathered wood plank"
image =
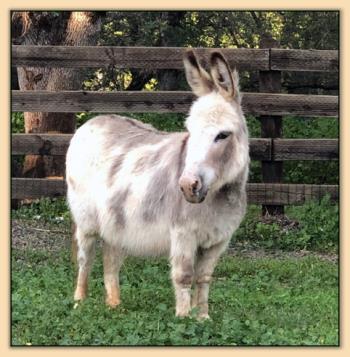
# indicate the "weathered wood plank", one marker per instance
pixel 304 60
pixel 301 149
pixel 129 57
pixel 260 148
pixel 294 104
pixel 258 193
pixel 171 57
pixel 165 102
pixel 40 144
pixel 57 144
pixel 289 194
pixel 22 188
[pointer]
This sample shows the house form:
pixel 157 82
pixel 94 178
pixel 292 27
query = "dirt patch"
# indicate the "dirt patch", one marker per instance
pixel 250 251
pixel 37 235
pixel 282 220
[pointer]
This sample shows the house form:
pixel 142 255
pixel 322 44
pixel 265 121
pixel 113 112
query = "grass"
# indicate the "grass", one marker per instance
pixel 260 301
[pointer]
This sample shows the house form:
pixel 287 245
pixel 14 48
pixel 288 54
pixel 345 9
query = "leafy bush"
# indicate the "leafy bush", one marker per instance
pixel 83 118
pixel 17 122
pixel 312 128
pixel 311 172
pixel 312 226
pixel 319 224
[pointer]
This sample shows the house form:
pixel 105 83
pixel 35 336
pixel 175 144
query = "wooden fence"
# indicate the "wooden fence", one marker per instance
pixel 269 105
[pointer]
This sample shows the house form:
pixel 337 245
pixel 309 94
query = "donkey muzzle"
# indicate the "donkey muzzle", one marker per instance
pixel 192 188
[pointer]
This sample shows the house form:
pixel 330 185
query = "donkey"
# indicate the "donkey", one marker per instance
pixel 147 192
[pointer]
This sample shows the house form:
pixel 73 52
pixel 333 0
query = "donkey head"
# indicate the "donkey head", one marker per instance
pixel 217 148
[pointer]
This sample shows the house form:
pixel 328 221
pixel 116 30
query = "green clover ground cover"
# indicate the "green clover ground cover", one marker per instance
pixel 260 301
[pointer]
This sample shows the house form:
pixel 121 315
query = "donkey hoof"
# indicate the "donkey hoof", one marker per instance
pixel 79 295
pixel 203 317
pixel 182 314
pixel 112 302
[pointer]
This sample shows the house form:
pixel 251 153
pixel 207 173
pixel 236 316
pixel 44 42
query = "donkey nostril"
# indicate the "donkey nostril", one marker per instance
pixel 194 186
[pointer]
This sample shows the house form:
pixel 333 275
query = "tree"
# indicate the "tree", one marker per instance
pixel 51 28
pixel 240 29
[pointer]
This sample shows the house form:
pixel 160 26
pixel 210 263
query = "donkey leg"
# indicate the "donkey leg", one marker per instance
pixel 85 257
pixel 205 265
pixel 182 262
pixel 112 261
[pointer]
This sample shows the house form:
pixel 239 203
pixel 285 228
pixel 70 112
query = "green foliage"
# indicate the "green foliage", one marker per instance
pixel 320 223
pixel 311 172
pixel 312 226
pixel 305 29
pixel 252 302
pixel 312 128
pixel 83 117
pixel 53 210
pixel 167 122
pixel 294 29
pixel 17 122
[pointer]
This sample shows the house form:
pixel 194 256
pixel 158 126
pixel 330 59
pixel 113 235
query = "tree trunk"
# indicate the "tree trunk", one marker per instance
pixel 52 28
pixel 169 79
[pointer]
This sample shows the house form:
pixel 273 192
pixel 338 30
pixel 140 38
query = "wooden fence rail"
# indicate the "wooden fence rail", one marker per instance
pixel 258 193
pixel 167 102
pixel 171 57
pixel 260 149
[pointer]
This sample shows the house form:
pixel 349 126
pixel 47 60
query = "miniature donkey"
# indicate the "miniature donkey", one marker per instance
pixel 147 192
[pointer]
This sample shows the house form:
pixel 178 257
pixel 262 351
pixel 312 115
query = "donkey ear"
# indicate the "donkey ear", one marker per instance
pixel 225 81
pixel 198 79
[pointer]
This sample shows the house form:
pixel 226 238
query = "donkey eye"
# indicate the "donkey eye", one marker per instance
pixel 222 136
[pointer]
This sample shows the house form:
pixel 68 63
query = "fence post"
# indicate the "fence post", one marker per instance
pixel 271 125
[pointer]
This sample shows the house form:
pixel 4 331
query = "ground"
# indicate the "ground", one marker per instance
pixel 258 297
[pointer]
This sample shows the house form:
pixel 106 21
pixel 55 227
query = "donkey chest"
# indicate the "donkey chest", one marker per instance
pixel 214 233
pixel 221 224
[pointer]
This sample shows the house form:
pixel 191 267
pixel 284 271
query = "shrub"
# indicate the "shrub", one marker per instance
pixel 312 226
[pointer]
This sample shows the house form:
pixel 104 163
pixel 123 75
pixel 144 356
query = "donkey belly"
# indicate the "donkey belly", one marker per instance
pixel 147 241
pixel 141 239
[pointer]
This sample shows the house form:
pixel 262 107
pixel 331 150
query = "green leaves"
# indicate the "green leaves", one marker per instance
pixel 313 226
